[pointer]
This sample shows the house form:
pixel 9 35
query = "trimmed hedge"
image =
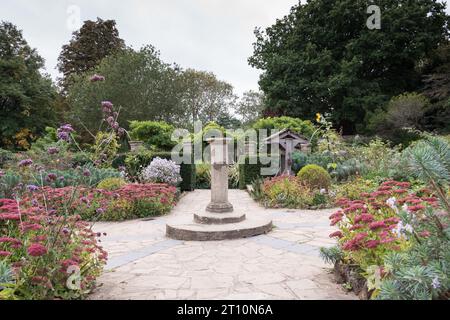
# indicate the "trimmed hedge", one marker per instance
pixel 134 163
pixel 249 172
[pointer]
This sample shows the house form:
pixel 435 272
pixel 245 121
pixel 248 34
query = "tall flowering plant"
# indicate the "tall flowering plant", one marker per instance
pixel 53 253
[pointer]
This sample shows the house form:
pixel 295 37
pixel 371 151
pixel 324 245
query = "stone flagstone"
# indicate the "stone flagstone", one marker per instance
pixel 284 264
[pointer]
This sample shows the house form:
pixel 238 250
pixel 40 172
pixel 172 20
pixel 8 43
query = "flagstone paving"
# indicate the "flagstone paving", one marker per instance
pixel 284 264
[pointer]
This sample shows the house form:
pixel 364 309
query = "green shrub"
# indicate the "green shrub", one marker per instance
pixel 8 182
pixel 315 177
pixel 353 189
pixel 299 126
pixel 111 184
pixel 249 172
pixel 203 176
pixel 5 157
pixel 188 174
pixel 286 192
pixel 348 169
pixel 157 135
pixel 136 161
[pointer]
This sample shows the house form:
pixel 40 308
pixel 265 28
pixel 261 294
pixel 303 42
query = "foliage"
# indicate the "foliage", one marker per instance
pixel 111 184
pixel 353 189
pixel 297 125
pixel 155 94
pixel 162 171
pixel 315 177
pixel 402 113
pixel 130 201
pixel 422 272
pixel 204 97
pixel 233 176
pixel 41 248
pixel 289 192
pixel 331 255
pixel 203 176
pixel 5 157
pixel 249 170
pixel 251 106
pixel 348 169
pixel 88 46
pixel 370 228
pixel 188 176
pixel 308 69
pixel 156 134
pixel 26 96
pixel 105 148
pixel 256 190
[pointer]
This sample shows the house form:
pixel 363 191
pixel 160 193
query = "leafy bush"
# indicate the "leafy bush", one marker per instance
pixel 8 182
pixel 299 126
pixel 233 176
pixel 41 247
pixel 188 177
pixel 5 157
pixel 135 162
pixel 162 171
pixel 348 169
pixel 289 192
pixel 315 177
pixel 353 189
pixel 249 171
pixel 111 184
pixel 105 148
pixel 157 135
pixel 203 176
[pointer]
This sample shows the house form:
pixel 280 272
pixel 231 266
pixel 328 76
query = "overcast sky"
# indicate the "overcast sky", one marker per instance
pixel 211 35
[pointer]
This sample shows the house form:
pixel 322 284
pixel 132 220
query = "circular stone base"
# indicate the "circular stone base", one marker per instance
pixel 219 207
pixel 184 228
pixel 219 218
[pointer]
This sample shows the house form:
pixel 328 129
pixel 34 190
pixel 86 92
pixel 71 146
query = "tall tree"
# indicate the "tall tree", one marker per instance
pixel 26 96
pixel 251 106
pixel 321 57
pixel 137 82
pixel 88 46
pixel 206 98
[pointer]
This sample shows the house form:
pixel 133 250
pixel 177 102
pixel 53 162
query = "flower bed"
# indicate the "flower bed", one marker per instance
pixel 128 202
pixel 372 228
pixel 290 192
pixel 45 255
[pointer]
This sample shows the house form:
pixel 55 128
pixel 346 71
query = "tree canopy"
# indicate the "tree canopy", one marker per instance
pixel 321 57
pixel 88 46
pixel 26 96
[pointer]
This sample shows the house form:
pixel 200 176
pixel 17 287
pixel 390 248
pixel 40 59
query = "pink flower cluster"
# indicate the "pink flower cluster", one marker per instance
pixel 369 223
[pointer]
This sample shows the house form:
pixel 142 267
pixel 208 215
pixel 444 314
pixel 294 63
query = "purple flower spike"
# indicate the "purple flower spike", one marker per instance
pixel 32 188
pixel 97 77
pixel 52 150
pixel 25 163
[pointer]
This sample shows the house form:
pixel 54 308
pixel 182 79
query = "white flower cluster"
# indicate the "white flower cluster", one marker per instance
pixel 162 171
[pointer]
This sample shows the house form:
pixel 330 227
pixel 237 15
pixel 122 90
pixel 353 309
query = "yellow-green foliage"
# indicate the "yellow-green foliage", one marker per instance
pixel 315 177
pixel 352 189
pixel 111 184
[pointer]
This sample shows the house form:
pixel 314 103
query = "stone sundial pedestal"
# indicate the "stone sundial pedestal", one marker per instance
pixel 219 220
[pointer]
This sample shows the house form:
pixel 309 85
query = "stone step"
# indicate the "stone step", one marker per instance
pixel 218 218
pixel 185 228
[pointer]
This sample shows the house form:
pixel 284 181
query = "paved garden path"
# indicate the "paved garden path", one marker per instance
pixel 284 264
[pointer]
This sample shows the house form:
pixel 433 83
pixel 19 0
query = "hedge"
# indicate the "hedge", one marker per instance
pixel 249 172
pixel 134 162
